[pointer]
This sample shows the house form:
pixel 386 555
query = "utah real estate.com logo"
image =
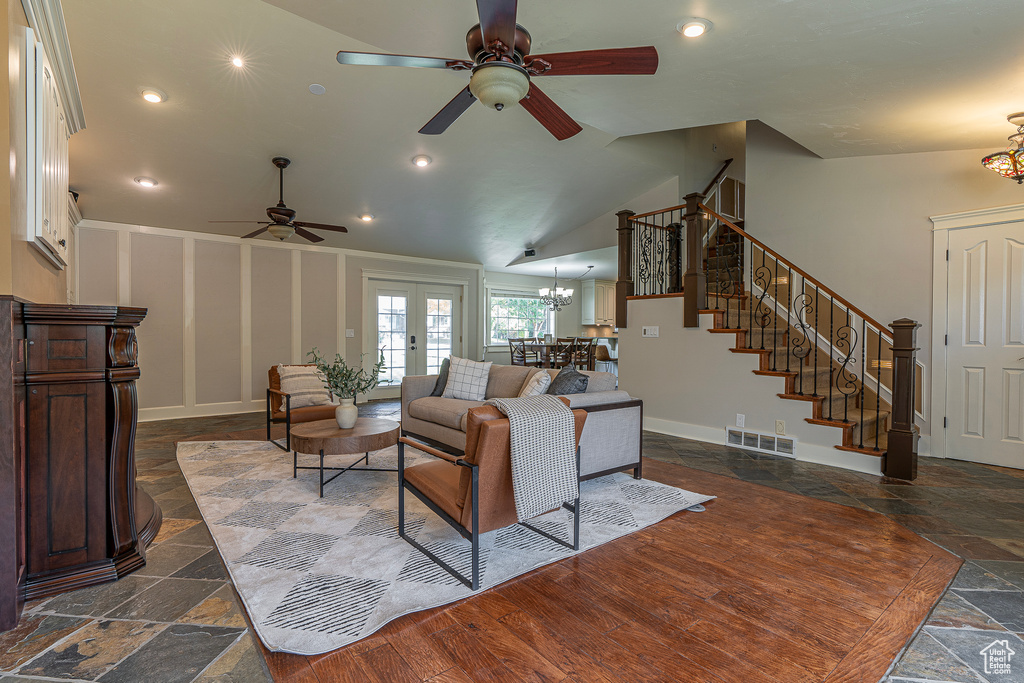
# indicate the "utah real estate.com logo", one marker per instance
pixel 997 657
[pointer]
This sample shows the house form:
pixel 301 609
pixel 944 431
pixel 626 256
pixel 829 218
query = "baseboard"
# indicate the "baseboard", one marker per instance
pixel 806 452
pixel 202 410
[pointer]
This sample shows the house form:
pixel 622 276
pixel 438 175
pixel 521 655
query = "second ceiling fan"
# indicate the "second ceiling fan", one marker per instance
pixel 282 223
pixel 502 67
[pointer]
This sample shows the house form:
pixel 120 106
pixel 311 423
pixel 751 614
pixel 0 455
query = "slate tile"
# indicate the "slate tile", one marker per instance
pixel 167 558
pixel 209 566
pixel 927 659
pixel 1010 571
pixel 93 650
pixel 1013 545
pixel 955 612
pixel 1005 607
pixel 33 635
pixel 197 535
pixel 971 547
pixel 974 577
pixel 98 600
pixel 894 506
pixel 927 524
pixel 220 609
pixel 176 655
pixel 240 664
pixel 172 527
pixel 187 510
pixel 166 600
pixel 967 645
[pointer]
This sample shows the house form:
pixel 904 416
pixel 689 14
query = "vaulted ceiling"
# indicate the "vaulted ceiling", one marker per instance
pixel 841 78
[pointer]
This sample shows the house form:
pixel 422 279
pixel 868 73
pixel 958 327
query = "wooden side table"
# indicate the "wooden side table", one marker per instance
pixel 324 437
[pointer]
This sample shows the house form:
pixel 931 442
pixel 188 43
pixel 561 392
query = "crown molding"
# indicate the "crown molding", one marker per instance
pixel 47 20
pixel 972 219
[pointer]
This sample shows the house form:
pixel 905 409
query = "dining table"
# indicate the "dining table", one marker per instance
pixel 546 353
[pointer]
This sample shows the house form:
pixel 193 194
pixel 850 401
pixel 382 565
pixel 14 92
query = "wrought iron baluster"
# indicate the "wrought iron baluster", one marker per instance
pixel 878 390
pixel 789 287
pixel 775 310
pixel 846 380
pixel 763 281
pixel 863 376
pixel 750 327
pixel 831 338
pixel 803 306
pixel 814 377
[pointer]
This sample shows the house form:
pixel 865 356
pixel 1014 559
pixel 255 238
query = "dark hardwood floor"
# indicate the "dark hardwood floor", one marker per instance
pixel 765 585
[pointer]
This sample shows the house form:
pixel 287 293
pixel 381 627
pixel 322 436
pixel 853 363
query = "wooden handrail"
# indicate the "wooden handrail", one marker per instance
pixel 670 226
pixel 655 213
pixel 718 177
pixel 882 329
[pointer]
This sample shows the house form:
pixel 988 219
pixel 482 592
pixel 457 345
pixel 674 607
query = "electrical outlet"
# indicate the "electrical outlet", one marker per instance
pixel 649 331
pixel 740 419
pixel 780 427
pixel 349 333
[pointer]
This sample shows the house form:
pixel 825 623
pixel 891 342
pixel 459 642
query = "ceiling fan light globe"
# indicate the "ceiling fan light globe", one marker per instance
pixel 281 232
pixel 499 85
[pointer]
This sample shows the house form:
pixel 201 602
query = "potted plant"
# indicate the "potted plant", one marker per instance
pixel 345 382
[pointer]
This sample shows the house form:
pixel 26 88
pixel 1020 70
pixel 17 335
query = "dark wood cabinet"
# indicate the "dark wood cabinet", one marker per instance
pixel 70 513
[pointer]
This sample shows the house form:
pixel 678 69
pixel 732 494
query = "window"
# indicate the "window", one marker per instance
pixel 515 315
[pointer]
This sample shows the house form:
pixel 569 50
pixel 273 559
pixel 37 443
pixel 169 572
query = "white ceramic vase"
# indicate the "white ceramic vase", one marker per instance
pixel 347 413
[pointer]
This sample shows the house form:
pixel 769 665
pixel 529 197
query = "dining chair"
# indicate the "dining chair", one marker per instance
pixel 564 352
pixel 520 354
pixel 584 353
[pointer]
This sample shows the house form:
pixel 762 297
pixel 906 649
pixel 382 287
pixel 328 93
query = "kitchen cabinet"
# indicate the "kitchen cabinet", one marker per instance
pixel 598 302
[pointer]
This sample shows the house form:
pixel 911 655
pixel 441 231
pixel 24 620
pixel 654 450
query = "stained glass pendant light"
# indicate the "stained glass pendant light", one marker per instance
pixel 1010 164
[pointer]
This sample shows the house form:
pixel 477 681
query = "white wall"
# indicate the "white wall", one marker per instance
pixel 693 386
pixel 860 224
pixel 222 310
pixel 567 321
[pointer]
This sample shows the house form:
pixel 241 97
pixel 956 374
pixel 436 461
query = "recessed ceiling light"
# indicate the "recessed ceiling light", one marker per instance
pixel 421 160
pixel 146 182
pixel 317 89
pixel 153 95
pixel 238 61
pixel 366 217
pixel 694 27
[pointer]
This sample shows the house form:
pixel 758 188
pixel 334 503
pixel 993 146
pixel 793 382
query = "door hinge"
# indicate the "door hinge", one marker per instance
pixel 947 254
pixel 460 298
pixel 946 342
pixel 945 422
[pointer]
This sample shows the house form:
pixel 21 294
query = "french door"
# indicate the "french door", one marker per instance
pixel 417 326
pixel 985 355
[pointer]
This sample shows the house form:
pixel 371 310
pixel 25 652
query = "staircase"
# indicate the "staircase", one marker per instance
pixel 848 368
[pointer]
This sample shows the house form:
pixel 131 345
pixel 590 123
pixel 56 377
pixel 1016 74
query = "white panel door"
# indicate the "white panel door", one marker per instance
pixel 417 326
pixel 985 355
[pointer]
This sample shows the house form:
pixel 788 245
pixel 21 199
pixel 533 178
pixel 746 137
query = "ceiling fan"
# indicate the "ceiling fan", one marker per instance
pixel 502 67
pixel 282 223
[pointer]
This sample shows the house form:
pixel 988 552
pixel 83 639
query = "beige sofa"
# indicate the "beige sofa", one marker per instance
pixel 611 435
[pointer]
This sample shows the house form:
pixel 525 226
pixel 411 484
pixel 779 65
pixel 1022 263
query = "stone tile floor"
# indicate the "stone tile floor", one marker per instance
pixel 178 619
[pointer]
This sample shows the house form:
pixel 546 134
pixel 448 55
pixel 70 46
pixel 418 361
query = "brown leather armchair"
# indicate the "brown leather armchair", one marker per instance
pixel 279 409
pixel 473 492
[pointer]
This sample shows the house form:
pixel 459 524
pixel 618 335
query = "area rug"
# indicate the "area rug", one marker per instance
pixel 318 573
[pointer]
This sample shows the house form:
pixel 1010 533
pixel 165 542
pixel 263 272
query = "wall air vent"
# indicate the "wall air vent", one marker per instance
pixel 761 442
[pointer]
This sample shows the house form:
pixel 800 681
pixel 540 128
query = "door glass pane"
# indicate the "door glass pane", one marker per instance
pixel 439 332
pixel 391 336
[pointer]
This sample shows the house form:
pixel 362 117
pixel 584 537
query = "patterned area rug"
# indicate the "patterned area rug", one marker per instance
pixel 318 573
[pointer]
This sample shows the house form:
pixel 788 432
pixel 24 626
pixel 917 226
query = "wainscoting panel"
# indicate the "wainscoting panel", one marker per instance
pixel 271 314
pixel 97 257
pixel 157 283
pixel 319 303
pixel 218 322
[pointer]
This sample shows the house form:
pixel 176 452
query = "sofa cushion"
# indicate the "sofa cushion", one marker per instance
pixel 569 380
pixel 506 381
pixel 467 379
pixel 442 378
pixel 304 384
pixel 306 414
pixel 596 380
pixel 535 385
pixel 448 412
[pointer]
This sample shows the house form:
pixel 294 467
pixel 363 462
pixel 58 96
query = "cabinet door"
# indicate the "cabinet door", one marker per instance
pixel 608 296
pixel 588 304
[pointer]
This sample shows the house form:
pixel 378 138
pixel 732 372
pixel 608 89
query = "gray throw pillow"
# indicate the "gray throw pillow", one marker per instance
pixel 442 378
pixel 568 381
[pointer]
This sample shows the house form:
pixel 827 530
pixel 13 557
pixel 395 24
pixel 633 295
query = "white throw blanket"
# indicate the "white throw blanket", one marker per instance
pixel 543 450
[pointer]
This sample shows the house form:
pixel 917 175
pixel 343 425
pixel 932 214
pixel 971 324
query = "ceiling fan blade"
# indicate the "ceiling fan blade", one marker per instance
pixel 320 226
pixel 498 22
pixel 308 235
pixel 375 59
pixel 550 115
pixel 626 60
pixel 258 222
pixel 256 232
pixel 451 111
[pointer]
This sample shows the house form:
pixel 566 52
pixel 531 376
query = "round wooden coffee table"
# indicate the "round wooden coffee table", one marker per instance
pixel 324 437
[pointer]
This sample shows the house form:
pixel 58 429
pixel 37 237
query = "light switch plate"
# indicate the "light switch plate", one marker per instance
pixel 740 419
pixel 649 331
pixel 350 333
pixel 780 427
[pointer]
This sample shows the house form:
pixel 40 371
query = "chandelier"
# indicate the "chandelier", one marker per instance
pixel 1010 164
pixel 556 296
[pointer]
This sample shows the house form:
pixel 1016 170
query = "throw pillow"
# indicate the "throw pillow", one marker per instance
pixel 304 384
pixel 467 379
pixel 569 380
pixel 442 379
pixel 536 385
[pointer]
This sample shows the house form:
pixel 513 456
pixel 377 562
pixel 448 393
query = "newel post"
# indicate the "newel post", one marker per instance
pixel 695 280
pixel 900 460
pixel 624 285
